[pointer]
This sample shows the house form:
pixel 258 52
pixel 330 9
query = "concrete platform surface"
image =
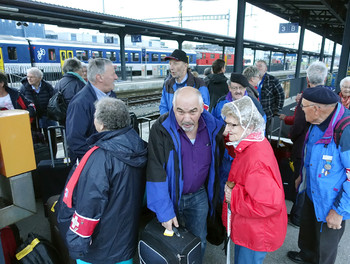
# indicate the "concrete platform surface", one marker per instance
pixel 214 254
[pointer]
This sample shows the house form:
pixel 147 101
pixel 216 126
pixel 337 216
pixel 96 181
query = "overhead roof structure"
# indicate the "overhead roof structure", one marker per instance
pixel 37 12
pixel 324 17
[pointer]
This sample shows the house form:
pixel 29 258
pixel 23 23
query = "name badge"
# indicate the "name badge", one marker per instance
pixel 327 157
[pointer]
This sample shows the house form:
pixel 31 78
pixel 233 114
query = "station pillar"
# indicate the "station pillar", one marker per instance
pixel 238 59
pixel 122 54
pixel 344 56
pixel 301 44
pixel 333 56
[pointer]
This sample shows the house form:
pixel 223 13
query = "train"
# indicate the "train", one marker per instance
pixel 17 54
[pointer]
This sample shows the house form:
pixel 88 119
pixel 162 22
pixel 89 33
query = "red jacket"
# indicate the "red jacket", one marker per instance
pixel 259 214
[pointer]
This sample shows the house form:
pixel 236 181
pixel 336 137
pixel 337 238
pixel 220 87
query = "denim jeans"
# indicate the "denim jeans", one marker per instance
pixel 245 255
pixel 193 212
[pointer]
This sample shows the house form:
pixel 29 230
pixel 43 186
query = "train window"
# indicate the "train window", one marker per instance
pixel 111 55
pixel 204 55
pixel 96 54
pixel 229 56
pixel 212 56
pixel 155 56
pixel 135 56
pixel 52 55
pixel 82 55
pixel 190 58
pixel 12 53
pixel 162 57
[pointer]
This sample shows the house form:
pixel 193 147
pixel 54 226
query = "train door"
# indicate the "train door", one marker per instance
pixel 2 68
pixel 65 54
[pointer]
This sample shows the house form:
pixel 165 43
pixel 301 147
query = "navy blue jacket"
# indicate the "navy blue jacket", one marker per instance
pixel 164 167
pixel 80 121
pixel 69 85
pixel 40 99
pixel 109 190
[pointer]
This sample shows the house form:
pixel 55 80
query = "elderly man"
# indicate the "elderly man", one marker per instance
pixel 38 91
pixel 237 85
pixel 80 112
pixel 182 169
pixel 271 93
pixel 252 75
pixel 316 75
pixel 325 178
pixel 180 77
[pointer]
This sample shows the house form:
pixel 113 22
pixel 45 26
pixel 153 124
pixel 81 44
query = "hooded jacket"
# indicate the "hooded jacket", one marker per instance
pixel 109 193
pixel 259 214
pixel 164 168
pixel 217 87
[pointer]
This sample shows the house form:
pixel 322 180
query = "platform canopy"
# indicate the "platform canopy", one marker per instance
pixel 324 17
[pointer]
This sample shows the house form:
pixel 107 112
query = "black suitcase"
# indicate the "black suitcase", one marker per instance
pixel 56 238
pixel 53 173
pixel 155 248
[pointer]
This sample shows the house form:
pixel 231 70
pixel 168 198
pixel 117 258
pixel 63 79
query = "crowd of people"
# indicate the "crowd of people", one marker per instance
pixel 207 160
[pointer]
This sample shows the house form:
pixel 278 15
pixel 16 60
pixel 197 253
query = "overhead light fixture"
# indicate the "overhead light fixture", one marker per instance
pixel 219 39
pixel 112 24
pixel 178 33
pixel 11 9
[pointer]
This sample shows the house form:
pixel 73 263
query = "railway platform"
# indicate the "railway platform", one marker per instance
pixel 37 223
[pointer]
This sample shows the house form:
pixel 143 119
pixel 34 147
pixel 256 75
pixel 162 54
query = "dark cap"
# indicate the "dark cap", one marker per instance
pixel 178 55
pixel 321 95
pixel 239 78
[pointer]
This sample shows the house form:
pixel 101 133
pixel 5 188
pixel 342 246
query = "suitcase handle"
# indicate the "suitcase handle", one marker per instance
pixel 66 158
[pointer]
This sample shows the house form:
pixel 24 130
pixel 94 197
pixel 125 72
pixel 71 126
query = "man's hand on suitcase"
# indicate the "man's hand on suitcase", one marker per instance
pixel 169 225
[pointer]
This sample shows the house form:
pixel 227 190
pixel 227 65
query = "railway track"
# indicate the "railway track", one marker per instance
pixel 142 99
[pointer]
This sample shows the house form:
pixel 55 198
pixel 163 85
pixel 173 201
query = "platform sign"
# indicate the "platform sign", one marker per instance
pixel 288 28
pixel 136 38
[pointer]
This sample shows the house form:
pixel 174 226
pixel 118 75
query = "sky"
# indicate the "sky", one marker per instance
pixel 259 25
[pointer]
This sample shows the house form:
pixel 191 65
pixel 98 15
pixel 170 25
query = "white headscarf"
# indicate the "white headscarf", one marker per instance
pixel 248 116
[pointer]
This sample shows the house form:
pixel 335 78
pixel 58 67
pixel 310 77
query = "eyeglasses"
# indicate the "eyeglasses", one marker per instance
pixel 345 87
pixel 304 106
pixel 237 88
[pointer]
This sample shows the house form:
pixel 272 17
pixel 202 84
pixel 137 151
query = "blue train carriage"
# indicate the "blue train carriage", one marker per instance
pixel 18 54
pixel 14 55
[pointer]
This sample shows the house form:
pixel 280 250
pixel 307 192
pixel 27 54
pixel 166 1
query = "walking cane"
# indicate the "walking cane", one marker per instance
pixel 228 259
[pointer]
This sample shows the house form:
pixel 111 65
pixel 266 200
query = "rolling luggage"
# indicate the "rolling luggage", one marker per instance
pixel 56 238
pixel 53 173
pixel 283 152
pixel 156 248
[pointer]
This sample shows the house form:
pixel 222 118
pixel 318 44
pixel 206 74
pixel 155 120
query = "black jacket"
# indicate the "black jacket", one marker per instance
pixel 109 190
pixel 217 87
pixel 69 85
pixel 40 99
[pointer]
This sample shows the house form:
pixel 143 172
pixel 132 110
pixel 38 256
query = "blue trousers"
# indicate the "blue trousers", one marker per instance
pixel 245 255
pixel 192 214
